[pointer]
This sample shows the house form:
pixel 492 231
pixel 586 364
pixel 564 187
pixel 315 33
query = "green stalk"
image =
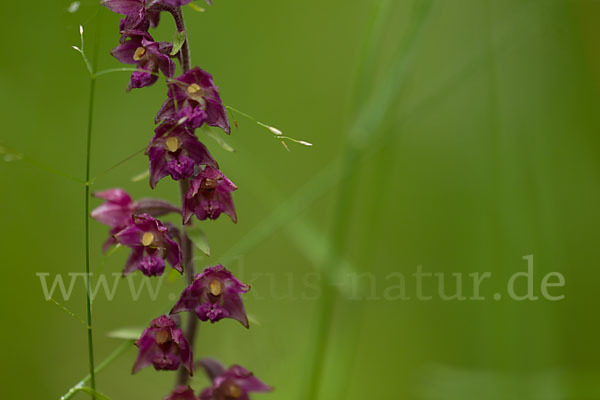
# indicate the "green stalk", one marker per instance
pixel 88 301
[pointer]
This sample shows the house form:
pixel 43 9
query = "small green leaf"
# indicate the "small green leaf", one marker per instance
pixel 178 42
pixel 93 393
pixel 141 176
pixel 196 7
pixel 130 333
pixel 198 237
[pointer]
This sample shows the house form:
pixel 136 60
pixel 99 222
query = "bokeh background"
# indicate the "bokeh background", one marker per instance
pixel 460 135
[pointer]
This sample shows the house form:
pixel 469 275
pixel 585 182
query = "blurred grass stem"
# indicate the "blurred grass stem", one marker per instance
pixel 88 301
pixel 369 121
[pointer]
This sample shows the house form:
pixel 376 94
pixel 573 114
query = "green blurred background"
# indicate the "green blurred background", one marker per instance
pixel 460 135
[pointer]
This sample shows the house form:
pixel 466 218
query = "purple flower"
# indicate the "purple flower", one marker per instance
pixel 175 151
pixel 164 346
pixel 133 24
pixel 139 14
pixel 118 210
pixel 233 383
pixel 182 392
pixel 213 295
pixel 150 56
pixel 150 245
pixel 209 195
pixel 194 89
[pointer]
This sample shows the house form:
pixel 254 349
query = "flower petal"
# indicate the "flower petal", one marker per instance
pixel 125 7
pixel 155 207
pixel 125 51
pixel 118 196
pixel 158 165
pixel 130 236
pixel 189 297
pixel 217 115
pixel 146 346
pixel 197 150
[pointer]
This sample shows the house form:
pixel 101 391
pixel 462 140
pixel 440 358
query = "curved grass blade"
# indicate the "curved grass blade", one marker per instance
pixel 107 361
pixel 93 394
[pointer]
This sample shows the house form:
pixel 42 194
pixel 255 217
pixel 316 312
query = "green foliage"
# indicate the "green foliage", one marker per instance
pixel 198 237
pixel 178 42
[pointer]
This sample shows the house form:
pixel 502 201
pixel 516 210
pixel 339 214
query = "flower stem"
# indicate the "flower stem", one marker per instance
pixel 185 57
pixel 88 297
pixel 186 245
pixel 87 236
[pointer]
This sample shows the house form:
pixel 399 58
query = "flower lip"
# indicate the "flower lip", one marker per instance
pixel 152 265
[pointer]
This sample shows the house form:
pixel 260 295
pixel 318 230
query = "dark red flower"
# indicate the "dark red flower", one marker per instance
pixel 150 244
pixel 209 195
pixel 213 295
pixel 195 93
pixel 118 210
pixel 149 56
pixel 163 346
pixel 176 151
pixel 233 383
